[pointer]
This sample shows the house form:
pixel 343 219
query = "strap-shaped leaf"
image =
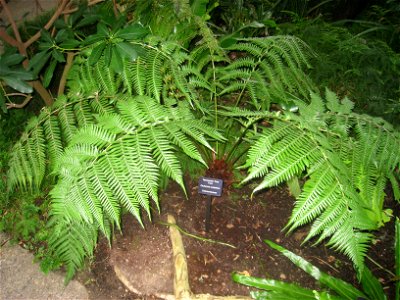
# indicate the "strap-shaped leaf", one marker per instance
pixel 341 287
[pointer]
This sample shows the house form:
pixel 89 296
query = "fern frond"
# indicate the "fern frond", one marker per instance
pixel 105 78
pixel 346 159
pixel 163 153
pixel 68 124
pixel 19 173
pixel 35 150
pixel 101 105
pixel 47 136
pixel 315 198
pixel 72 242
pixel 53 137
pixel 136 77
pixel 269 71
pixel 93 135
pixel 153 74
pixel 117 164
pixel 351 242
pixel 110 204
pixel 83 113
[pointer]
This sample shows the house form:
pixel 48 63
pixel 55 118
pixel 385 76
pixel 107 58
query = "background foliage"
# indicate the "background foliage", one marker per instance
pixel 142 98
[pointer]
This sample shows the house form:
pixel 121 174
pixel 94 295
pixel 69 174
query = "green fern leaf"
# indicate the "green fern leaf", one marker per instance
pixel 53 136
pixel 83 113
pixel 153 76
pixel 71 242
pixel 67 120
pixel 163 153
pixel 346 159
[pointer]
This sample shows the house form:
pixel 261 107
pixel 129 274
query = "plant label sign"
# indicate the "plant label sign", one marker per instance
pixel 210 186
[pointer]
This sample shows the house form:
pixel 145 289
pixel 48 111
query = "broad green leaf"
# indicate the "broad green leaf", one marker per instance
pixel 48 75
pixel 229 40
pixel 280 288
pixel 127 50
pixel 61 36
pixel 102 29
pixel 116 60
pixel 371 285
pixel 46 36
pixel 255 24
pixel 60 24
pixel 76 16
pixel 17 84
pixel 4 70
pixel 339 286
pixel 107 54
pixel 96 53
pixel 69 44
pixel 10 60
pixel 269 23
pixel 88 20
pixel 132 32
pixel 92 39
pixel 58 56
pixel 38 61
pixel 45 46
pixel 21 74
pixel 199 7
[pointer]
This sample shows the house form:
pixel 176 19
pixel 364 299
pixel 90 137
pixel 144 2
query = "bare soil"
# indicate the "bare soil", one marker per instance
pixel 236 220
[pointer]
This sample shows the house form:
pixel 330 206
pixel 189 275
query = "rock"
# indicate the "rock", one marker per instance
pixel 20 278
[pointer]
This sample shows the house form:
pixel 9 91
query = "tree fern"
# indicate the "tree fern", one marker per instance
pixel 346 159
pixel 104 147
pixel 103 165
pixel 113 167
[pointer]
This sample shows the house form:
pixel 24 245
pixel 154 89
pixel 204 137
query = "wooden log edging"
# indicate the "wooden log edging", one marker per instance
pixel 181 274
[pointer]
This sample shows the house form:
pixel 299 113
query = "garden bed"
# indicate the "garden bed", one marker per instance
pixel 236 220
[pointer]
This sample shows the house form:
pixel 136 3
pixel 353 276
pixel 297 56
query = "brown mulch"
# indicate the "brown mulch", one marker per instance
pixel 236 220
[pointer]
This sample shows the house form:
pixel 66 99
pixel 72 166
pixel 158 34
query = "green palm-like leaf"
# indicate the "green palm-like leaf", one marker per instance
pixel 279 290
pixel 337 288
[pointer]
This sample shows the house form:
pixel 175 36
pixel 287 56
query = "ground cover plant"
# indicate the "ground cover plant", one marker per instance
pixel 371 287
pixel 137 105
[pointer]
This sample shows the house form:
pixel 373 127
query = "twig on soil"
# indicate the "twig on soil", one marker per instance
pixel 325 263
pixel 5 242
pixel 213 255
pixel 380 266
pixel 196 236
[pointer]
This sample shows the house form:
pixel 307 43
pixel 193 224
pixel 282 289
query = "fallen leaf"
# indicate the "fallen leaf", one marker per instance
pixel 245 273
pixel 331 258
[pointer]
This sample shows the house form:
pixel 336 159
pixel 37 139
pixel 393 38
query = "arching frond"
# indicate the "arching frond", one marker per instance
pixel 109 167
pixel 346 159
pixel 267 70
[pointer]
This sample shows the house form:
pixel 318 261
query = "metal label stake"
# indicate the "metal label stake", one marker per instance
pixel 208 213
pixel 211 187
